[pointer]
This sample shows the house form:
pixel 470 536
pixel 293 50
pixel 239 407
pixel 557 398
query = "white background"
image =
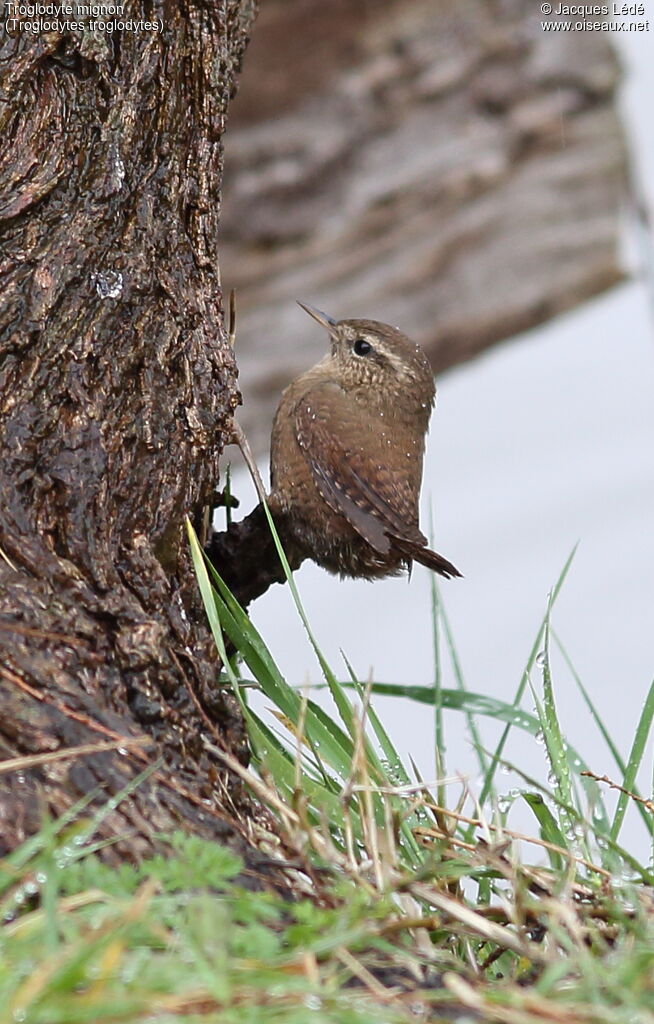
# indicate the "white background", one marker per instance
pixel 541 443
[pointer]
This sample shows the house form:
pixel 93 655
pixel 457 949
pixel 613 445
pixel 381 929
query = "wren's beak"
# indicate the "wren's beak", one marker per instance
pixel 325 321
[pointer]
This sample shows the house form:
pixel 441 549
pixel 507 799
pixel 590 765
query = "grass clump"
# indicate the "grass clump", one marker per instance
pixel 176 938
pixel 542 925
pixel 411 900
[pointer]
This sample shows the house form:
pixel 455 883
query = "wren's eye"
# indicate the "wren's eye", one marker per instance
pixel 362 347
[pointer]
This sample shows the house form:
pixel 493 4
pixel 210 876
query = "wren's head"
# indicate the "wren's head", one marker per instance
pixel 373 359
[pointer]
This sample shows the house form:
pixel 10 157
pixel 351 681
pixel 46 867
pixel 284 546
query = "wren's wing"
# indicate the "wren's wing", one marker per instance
pixel 348 460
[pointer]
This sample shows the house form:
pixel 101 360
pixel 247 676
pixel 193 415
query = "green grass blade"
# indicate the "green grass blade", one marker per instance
pixel 332 747
pixel 635 760
pixel 315 713
pixel 462 700
pixel 491 707
pixel 554 742
pixel 591 786
pixel 606 736
pixel 247 640
pixel 603 839
pixel 549 829
pixel 398 774
pixel 274 756
pixel 344 707
pixel 460 682
pixel 393 772
pixel 338 694
pixel 224 611
pixel 209 602
pixel 489 779
pixel 439 735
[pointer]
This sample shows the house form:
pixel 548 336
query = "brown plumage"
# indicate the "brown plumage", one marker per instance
pixel 347 451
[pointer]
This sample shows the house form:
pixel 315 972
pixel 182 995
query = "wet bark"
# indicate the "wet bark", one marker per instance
pixel 246 556
pixel 117 387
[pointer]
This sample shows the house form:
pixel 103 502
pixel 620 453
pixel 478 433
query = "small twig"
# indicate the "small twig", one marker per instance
pixel 649 804
pixel 365 977
pixel 509 833
pixel 239 437
pixel 194 697
pixel 264 792
pixel 14 764
pixel 205 525
pixel 232 318
pixel 472 920
pixel 416 787
pixel 8 560
pixel 242 441
pixel 42 634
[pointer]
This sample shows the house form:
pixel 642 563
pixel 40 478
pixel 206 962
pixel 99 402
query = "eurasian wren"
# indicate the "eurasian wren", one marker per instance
pixel 347 449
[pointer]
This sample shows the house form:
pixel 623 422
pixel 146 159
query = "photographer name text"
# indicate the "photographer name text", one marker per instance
pixel 598 10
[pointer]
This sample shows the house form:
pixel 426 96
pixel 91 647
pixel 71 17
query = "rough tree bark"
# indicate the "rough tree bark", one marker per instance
pixel 117 386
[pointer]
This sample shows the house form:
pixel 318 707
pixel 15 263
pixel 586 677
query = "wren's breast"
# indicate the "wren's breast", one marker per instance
pixel 293 489
pixel 290 477
pixel 323 533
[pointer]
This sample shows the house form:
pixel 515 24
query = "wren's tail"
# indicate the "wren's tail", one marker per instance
pixel 427 557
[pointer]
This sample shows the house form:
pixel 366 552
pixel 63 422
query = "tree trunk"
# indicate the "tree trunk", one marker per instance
pixel 117 387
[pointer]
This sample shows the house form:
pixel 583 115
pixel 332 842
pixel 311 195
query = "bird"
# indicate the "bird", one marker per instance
pixel 347 450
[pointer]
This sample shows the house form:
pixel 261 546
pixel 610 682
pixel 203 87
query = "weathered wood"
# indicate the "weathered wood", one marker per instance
pixel 447 167
pixel 117 387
